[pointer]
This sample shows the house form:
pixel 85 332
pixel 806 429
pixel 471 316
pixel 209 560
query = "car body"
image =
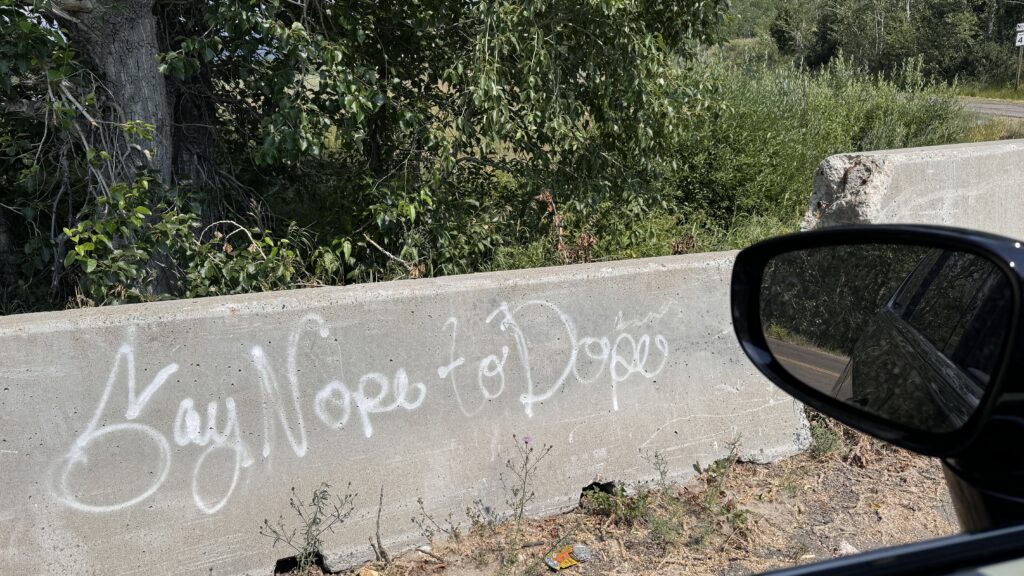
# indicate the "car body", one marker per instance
pixel 942 368
pixel 948 325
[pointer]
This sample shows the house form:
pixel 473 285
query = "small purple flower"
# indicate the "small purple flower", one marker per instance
pixel 527 439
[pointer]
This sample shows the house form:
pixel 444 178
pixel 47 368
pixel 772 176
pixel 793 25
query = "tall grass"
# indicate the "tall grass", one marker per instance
pixel 996 91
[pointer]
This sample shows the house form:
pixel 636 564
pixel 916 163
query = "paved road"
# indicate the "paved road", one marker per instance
pixel 812 366
pixel 990 107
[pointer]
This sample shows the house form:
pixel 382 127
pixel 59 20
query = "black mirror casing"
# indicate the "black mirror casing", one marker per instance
pixel 1006 254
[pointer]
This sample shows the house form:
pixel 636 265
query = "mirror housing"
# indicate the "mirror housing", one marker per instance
pixel 749 272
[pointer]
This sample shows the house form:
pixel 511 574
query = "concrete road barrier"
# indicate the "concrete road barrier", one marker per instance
pixel 979 186
pixel 156 438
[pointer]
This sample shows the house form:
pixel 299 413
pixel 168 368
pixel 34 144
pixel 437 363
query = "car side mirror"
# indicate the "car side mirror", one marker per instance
pixel 902 332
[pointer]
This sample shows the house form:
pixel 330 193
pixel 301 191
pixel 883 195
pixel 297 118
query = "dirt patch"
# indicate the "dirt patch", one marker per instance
pixel 848 494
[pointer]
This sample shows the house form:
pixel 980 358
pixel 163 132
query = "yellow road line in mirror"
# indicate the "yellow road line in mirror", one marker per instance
pixel 806 365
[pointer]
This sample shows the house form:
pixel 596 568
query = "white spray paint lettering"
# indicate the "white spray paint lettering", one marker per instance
pixel 78 454
pixel 623 357
pixel 627 351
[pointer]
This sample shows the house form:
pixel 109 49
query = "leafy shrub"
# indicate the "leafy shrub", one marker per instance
pixel 826 437
pixel 723 157
pixel 125 252
pixel 717 512
pixel 617 505
pixel 752 161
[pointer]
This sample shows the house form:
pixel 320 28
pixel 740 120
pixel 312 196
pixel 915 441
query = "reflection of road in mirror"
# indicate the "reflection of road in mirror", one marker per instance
pixel 909 333
pixel 811 365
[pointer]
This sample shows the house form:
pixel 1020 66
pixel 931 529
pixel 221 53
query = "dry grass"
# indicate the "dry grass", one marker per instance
pixel 997 92
pixel 851 492
pixel 991 128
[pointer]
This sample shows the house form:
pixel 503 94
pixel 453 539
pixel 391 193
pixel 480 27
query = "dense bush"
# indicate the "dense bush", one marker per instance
pixel 411 138
pixel 742 171
pixel 756 155
pixel 477 169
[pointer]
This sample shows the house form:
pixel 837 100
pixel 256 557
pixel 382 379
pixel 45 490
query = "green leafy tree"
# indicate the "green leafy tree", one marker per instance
pixel 407 131
pixel 965 39
pixel 801 29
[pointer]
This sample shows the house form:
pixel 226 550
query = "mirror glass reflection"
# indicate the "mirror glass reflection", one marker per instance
pixel 912 334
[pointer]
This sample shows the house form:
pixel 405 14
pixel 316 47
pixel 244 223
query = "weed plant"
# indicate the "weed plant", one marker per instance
pixel 522 469
pixel 321 515
pixel 431 528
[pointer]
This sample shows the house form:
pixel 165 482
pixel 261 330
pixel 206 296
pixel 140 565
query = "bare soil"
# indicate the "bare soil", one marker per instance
pixel 849 493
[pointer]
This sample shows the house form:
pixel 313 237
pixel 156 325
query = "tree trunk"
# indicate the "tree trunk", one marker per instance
pixel 193 133
pixel 119 37
pixel 8 263
pixel 993 10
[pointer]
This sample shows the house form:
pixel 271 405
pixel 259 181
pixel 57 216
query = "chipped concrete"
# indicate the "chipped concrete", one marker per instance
pixel 978 186
pixel 156 438
pixel 848 189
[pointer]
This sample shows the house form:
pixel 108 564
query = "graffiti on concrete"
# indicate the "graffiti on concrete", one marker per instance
pixel 294 407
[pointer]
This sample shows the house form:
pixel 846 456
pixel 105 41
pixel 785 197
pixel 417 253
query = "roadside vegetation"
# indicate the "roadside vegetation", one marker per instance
pixel 847 493
pixel 346 159
pixel 286 144
pixel 999 92
pixel 970 42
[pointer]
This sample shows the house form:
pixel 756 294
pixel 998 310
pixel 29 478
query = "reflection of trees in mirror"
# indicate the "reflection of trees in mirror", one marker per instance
pixel 909 333
pixel 775 331
pixel 826 296
pixel 927 358
pixel 955 305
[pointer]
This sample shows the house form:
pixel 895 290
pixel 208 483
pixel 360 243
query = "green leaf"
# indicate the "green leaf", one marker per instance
pixel 90 265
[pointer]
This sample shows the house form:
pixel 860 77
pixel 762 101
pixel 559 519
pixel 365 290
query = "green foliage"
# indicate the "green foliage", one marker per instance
pixel 750 18
pixel 778 332
pixel 666 528
pixel 717 512
pixel 113 248
pixel 436 137
pixel 405 116
pixel 109 252
pixel 826 436
pixel 751 163
pixel 801 29
pixel 966 39
pixel 321 515
pixel 490 105
pixel 998 129
pixel 408 139
pixel 617 505
pixel 698 513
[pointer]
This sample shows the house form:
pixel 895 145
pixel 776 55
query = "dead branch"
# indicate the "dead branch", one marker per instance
pixel 238 228
pixel 378 548
pixel 407 265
